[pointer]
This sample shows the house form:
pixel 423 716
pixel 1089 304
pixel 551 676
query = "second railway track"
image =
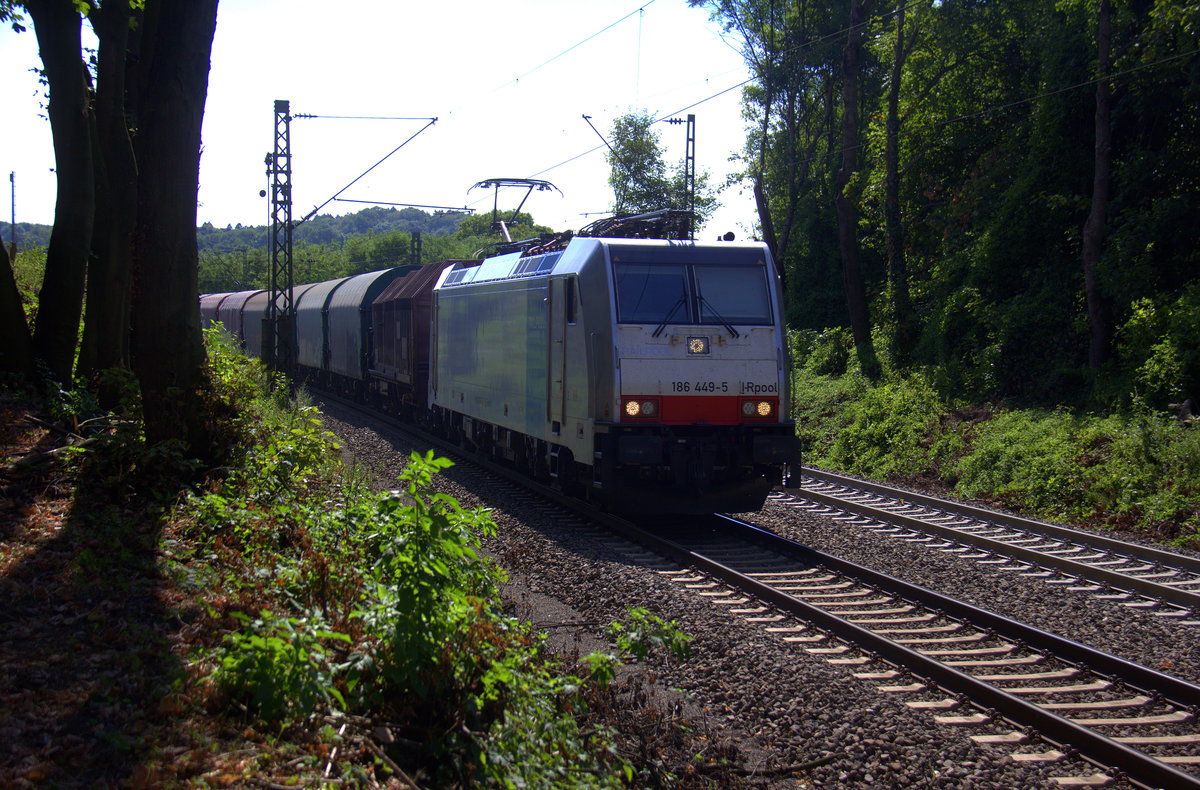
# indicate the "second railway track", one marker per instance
pixel 1137 575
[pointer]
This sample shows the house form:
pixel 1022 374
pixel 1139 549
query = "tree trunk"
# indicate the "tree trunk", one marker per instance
pixel 768 227
pixel 1093 230
pixel 897 265
pixel 16 352
pixel 167 347
pixel 106 325
pixel 856 301
pixel 57 24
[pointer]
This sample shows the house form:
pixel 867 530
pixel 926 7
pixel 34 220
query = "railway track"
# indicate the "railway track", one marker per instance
pixel 1143 577
pixel 1097 718
pixel 965 665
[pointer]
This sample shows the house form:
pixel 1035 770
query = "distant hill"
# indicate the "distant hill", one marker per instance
pixel 326 229
pixel 321 229
pixel 28 234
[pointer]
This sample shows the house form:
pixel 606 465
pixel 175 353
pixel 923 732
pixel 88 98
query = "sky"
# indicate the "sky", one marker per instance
pixel 508 83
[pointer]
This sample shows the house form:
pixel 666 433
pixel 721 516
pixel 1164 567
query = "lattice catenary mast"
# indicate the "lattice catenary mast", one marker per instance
pixel 279 336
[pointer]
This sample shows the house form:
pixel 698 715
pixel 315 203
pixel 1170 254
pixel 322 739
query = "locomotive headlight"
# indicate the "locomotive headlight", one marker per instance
pixel 758 408
pixel 641 408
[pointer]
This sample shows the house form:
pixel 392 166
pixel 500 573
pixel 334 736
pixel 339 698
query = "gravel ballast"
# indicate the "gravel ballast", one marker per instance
pixel 792 719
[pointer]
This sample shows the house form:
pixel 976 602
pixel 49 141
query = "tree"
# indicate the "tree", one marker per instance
pixel 856 300
pixel 167 346
pixel 57 25
pixel 892 211
pixel 639 177
pixel 1093 229
pixel 16 352
pixel 145 240
pixel 106 324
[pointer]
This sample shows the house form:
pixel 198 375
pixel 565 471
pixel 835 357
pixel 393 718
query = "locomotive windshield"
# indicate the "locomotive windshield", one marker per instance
pixel 701 293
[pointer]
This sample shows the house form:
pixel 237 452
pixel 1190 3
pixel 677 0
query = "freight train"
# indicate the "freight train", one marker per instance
pixel 648 375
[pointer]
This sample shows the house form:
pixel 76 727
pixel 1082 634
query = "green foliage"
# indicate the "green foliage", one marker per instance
pixel 994 187
pixel 1135 471
pixel 642 632
pixel 236 259
pixel 539 743
pixel 1025 459
pixel 376 604
pixel 29 267
pixel 1159 355
pixel 426 586
pixel 886 430
pixel 639 175
pixel 826 353
pixel 278 667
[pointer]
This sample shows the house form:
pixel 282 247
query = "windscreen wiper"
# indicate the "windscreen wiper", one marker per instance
pixel 678 304
pixel 718 316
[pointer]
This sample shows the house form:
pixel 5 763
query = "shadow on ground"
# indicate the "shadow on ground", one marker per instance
pixel 85 661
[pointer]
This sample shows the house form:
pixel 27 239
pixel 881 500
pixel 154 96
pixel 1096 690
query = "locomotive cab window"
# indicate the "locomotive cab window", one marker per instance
pixel 649 293
pixel 708 293
pixel 571 309
pixel 732 294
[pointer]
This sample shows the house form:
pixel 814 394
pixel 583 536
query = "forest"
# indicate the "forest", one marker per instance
pixel 999 194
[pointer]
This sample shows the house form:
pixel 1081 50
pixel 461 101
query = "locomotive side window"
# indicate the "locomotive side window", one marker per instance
pixel 570 300
pixel 732 294
pixel 650 293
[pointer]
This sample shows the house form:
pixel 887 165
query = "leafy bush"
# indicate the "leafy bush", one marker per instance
pixel 1158 356
pixel 1025 458
pixel 1139 470
pixel 644 632
pixel 376 604
pixel 1143 470
pixel 427 587
pixel 826 353
pixel 886 430
pixel 279 667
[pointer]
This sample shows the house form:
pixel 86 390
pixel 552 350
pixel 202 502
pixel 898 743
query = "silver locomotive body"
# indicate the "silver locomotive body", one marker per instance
pixel 648 375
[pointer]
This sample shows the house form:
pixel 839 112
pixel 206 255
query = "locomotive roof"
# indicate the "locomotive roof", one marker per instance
pixel 514 265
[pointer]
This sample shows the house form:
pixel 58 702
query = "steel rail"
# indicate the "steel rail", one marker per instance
pixel 1114 579
pixel 1103 751
pixel 1094 746
pixel 1148 553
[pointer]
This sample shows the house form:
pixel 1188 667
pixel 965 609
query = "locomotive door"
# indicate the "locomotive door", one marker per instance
pixel 560 310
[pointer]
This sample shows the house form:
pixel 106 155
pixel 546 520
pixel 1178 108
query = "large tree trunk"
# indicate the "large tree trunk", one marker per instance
pixel 897 265
pixel 167 346
pixel 16 352
pixel 1093 229
pixel 57 24
pixel 856 300
pixel 106 325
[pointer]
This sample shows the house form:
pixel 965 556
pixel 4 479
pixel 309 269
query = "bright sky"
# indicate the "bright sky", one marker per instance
pixel 507 81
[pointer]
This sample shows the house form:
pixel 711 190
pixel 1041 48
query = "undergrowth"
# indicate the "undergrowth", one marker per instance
pixel 1138 470
pixel 338 601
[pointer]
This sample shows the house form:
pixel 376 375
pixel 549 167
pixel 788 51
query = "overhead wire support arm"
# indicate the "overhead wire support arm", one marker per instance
pixel 588 118
pixel 336 195
pixel 451 209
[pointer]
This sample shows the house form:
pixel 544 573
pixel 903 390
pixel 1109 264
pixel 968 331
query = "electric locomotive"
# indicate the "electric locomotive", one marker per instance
pixel 648 375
